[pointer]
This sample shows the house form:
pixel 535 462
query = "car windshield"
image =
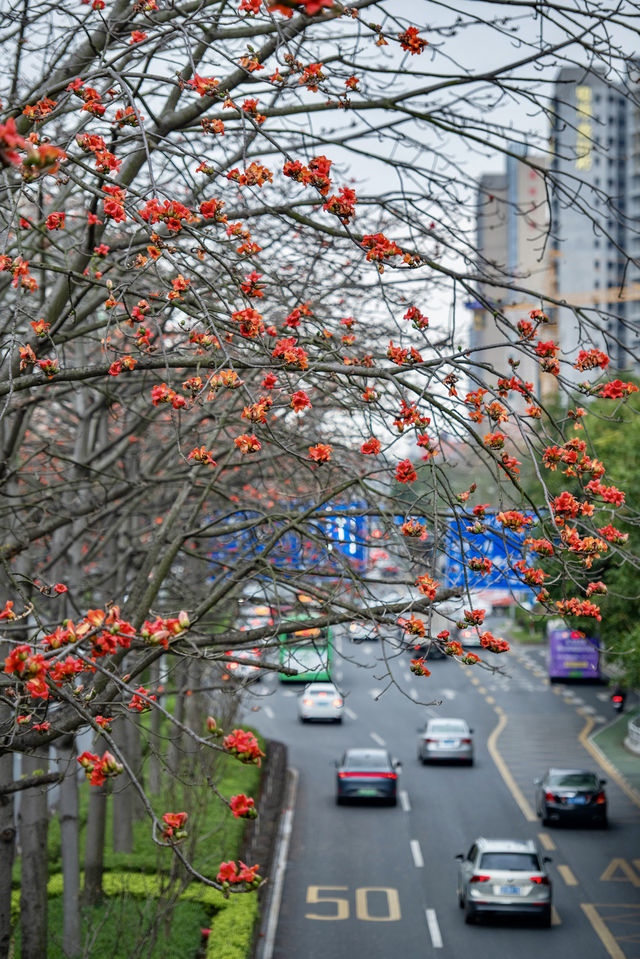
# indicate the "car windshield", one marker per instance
pixel 444 726
pixel 511 861
pixel 366 761
pixel 573 780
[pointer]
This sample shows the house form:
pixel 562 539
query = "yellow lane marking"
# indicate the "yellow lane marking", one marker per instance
pixel 482 690
pixel 475 680
pixel 557 690
pixel 503 769
pixel 620 866
pixel 555 917
pixel 567 875
pixel 490 700
pixel 604 763
pixel 546 841
pixel 607 940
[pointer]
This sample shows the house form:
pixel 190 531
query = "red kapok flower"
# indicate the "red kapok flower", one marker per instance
pixel 405 472
pixel 300 401
pixel 55 221
pixel 371 447
pixel 243 807
pixel 174 823
pixel 320 453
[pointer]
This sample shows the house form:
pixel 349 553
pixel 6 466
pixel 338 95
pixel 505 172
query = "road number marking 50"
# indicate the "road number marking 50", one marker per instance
pixel 339 905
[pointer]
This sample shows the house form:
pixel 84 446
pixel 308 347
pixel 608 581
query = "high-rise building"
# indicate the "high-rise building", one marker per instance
pixel 595 206
pixel 583 247
pixel 512 218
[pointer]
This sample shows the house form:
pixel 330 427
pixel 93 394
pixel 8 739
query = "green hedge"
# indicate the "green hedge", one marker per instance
pixel 231 921
pixel 232 928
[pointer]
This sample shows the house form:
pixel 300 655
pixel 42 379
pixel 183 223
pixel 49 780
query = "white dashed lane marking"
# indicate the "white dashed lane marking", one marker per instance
pixel 350 713
pixel 416 852
pixel 404 800
pixel 434 928
pixel 378 739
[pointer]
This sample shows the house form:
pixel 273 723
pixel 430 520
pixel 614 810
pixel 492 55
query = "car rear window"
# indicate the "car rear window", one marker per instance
pixel 446 727
pixel 367 761
pixel 512 861
pixel 574 781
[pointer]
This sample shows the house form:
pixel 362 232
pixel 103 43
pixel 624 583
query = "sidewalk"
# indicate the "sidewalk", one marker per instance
pixel 609 742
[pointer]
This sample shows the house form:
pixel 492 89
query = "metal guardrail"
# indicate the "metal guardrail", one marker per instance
pixel 632 741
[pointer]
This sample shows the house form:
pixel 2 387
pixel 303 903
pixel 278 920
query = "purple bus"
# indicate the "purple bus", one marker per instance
pixel 571 654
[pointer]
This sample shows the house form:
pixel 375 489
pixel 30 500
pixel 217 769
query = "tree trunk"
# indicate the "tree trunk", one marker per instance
pixel 33 821
pixel 194 709
pixel 134 757
pixel 122 795
pixel 72 935
pixel 153 740
pixel 7 854
pixel 175 752
pixel 94 845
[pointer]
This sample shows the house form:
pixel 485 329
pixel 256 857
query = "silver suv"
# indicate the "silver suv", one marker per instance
pixel 504 876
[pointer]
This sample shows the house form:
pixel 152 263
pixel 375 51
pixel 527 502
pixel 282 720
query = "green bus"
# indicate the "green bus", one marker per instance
pixel 309 652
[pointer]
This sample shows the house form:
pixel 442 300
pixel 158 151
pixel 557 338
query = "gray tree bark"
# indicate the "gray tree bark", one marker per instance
pixel 7 854
pixel 134 757
pixel 175 753
pixel 94 845
pixel 69 823
pixel 33 822
pixel 122 796
pixel 153 740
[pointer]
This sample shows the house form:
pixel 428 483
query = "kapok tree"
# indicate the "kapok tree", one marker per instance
pixel 224 229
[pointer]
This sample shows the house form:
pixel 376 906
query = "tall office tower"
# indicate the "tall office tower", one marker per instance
pixel 511 241
pixel 595 175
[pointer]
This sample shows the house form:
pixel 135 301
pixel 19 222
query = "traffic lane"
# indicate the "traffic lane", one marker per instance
pixel 350 887
pixel 598 867
pixel 439 804
pixel 464 692
pixel 391 858
pixel 350 883
pixel 394 715
pixel 452 806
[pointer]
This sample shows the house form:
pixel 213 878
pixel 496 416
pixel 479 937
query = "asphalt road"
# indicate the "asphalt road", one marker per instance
pixel 376 882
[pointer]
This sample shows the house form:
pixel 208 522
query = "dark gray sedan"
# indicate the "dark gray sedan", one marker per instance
pixel 575 795
pixel 367 774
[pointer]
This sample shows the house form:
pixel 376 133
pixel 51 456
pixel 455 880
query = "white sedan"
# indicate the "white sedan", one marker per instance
pixel 320 701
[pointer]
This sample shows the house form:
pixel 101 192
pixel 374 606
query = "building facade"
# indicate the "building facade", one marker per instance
pixel 595 216
pixel 512 217
pixel 582 247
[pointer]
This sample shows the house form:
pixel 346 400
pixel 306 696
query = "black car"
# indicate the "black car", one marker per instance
pixel 429 650
pixel 367 774
pixel 577 795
